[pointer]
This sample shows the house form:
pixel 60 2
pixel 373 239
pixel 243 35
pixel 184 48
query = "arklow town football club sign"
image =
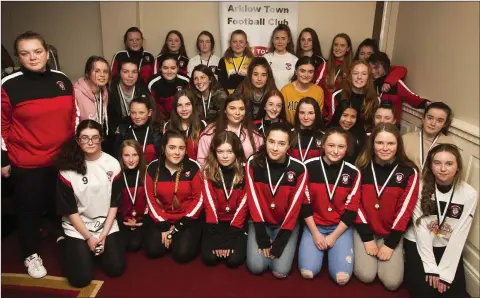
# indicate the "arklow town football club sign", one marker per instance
pixel 257 19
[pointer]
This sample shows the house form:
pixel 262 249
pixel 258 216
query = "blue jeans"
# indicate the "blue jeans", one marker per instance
pixel 340 256
pixel 257 263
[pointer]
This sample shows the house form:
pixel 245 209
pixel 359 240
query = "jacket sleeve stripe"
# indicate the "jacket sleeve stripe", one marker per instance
pixel 195 210
pixel 333 101
pixel 406 88
pixel 362 217
pixel 354 190
pixel 242 203
pixel 299 191
pixel 252 189
pixel 407 199
pixel 210 199
pixel 153 82
pixel 320 76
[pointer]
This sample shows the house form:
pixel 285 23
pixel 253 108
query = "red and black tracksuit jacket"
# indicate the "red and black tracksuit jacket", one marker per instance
pixel 163 92
pixel 346 198
pixel 320 78
pixel 398 94
pixel 139 57
pixel 182 65
pixel 396 203
pixel 140 203
pixel 189 194
pixel 38 115
pixel 304 137
pixel 288 199
pixel 221 212
pixel 153 143
pixel 320 65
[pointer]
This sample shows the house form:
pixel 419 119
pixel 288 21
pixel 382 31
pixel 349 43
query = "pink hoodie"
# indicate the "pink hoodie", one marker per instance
pixel 206 139
pixel 87 103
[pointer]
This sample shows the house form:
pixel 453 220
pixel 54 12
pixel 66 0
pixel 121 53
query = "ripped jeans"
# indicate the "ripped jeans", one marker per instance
pixel 340 256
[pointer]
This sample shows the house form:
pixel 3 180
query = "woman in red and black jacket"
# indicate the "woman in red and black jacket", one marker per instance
pixel 173 184
pixel 134 207
pixel 389 194
pixel 38 115
pixel 275 191
pixel 308 130
pixel 175 46
pixel 142 127
pixel 166 83
pixel 133 40
pixel 334 197
pixel 225 202
pixel 185 118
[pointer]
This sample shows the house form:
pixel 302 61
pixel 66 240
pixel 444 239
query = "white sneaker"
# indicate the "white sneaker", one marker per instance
pixel 35 266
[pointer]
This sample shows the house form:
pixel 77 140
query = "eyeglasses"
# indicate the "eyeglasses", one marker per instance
pixel 86 139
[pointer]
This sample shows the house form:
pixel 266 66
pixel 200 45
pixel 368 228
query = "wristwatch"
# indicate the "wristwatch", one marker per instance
pixel 171 233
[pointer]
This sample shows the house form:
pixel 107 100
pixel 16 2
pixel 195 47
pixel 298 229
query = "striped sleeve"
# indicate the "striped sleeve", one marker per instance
pixel 252 198
pixel 209 202
pixel 195 206
pixel 241 214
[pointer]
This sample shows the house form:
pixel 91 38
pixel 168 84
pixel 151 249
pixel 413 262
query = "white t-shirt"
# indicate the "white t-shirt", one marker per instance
pixel 283 67
pixel 212 63
pixel 90 195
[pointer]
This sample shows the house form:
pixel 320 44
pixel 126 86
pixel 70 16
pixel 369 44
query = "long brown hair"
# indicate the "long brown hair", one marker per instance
pixel 247 52
pixel 428 178
pixel 316 48
pixel 182 51
pixel 290 46
pixel 273 92
pixel 142 162
pixel 371 97
pixel 331 63
pixel 212 166
pixel 175 122
pixel 171 134
pixel 368 152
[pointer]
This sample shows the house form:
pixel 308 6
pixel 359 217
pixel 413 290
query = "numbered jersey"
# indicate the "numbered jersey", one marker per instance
pixel 90 195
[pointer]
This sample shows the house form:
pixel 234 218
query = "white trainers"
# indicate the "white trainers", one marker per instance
pixel 35 266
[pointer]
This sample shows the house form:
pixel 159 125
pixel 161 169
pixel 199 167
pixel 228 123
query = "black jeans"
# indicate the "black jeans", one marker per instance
pixel 78 260
pixel 185 244
pixel 34 196
pixel 414 277
pixel 133 239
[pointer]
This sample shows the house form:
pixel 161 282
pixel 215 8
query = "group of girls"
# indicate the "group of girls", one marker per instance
pixel 238 168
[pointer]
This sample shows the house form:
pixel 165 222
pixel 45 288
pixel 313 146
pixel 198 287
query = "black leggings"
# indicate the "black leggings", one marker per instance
pixel 132 238
pixel 78 260
pixel 414 277
pixel 185 244
pixel 234 260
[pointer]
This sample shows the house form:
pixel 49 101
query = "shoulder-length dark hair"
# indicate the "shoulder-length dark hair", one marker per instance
pixel 282 27
pixel 71 156
pixel 332 62
pixel 371 97
pixel 302 61
pixel 221 121
pixel 229 52
pixel 316 48
pixel 212 166
pixel 428 178
pixel 368 152
pixel 260 155
pixel 274 92
pixel 90 63
pixel 441 106
pixel 212 40
pixel 146 99
pixel 175 122
pixel 214 84
pixel 182 51
pixel 246 87
pixel 368 42
pixel 318 123
pixel 142 163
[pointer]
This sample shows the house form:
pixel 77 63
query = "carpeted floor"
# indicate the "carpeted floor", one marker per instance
pixel 164 278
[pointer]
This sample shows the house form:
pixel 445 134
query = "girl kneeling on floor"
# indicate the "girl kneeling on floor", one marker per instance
pixel 132 212
pixel 173 185
pixel 88 194
pixel 275 191
pixel 225 202
pixel 334 194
